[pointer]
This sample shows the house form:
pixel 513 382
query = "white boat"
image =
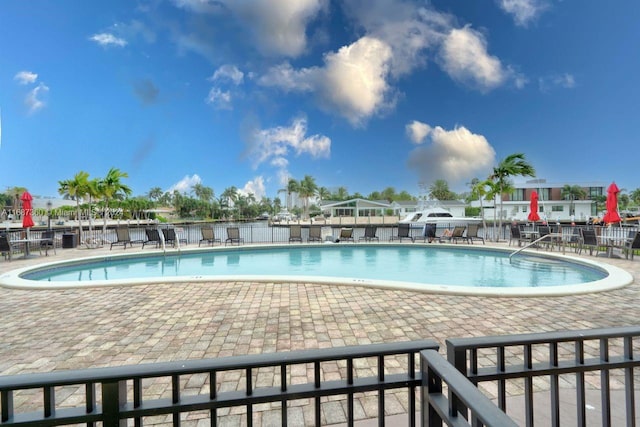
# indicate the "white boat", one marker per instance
pixel 437 215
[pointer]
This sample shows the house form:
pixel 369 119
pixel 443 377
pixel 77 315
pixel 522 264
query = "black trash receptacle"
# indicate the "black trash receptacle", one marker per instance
pixel 69 240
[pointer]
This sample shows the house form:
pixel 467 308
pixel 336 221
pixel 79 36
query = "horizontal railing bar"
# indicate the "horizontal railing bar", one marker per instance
pixel 541 338
pixel 165 406
pixel 543 369
pixel 154 370
pixel 441 405
pixel 266 395
pixel 62 416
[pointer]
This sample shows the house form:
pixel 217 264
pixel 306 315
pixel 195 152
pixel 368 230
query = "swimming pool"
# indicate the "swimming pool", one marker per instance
pixel 419 267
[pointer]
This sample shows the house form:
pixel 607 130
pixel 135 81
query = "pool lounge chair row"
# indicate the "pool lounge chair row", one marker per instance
pixel 315 234
pixel 463 233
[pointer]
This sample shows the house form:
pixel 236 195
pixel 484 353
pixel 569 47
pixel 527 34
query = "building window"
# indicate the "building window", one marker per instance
pixel 557 208
pixel 368 212
pixel 525 208
pixel 594 192
pixel 344 212
pixel 518 195
pixel 544 194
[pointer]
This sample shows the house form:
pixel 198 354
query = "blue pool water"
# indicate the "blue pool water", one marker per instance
pixel 418 264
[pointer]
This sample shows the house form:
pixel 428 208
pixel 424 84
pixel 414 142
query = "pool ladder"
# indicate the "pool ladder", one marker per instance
pixel 538 240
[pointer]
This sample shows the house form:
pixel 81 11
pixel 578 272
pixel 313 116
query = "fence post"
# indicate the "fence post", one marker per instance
pixel 431 384
pixel 114 397
pixel 458 358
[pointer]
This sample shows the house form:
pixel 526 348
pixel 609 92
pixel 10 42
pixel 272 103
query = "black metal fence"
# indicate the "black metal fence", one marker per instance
pixel 114 396
pixel 544 361
pixel 451 391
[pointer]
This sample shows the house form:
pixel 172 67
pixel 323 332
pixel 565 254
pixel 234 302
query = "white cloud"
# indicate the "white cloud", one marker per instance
pixel 417 131
pixel 107 39
pixel 278 27
pixel 564 81
pixel 453 155
pixel 228 73
pixel 408 29
pixel 25 77
pixel 199 6
pixel 523 11
pixel 285 77
pixel 185 184
pixel 464 57
pixel 274 145
pixel 34 99
pixel 219 99
pixel 255 187
pixel 352 82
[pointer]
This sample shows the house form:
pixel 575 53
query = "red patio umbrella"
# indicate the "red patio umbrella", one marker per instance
pixel 533 215
pixel 27 220
pixel 612 204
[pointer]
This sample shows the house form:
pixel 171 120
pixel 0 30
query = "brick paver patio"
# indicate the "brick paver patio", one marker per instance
pixel 51 330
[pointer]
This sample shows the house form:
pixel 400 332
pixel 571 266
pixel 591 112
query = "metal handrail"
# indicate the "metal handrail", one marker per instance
pixel 538 240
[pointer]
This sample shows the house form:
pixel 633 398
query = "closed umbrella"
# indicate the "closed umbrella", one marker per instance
pixel 27 219
pixel 533 215
pixel 612 204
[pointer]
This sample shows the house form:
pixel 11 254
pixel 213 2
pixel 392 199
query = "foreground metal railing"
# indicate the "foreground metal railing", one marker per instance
pixel 112 396
pixel 597 356
pixel 603 359
pixel 463 397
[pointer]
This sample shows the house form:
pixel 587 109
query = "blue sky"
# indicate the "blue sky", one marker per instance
pixel 364 94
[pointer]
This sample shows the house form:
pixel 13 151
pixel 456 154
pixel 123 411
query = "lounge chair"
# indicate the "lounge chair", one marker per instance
pixel 6 247
pixel 233 236
pixel 456 234
pixel 153 237
pixel 544 238
pixel 370 233
pixel 346 234
pixel 123 238
pixel 428 233
pixel 209 236
pixel 403 233
pixel 517 236
pixel 170 236
pixel 315 234
pixel 47 242
pixel 472 233
pixel 295 233
pixel 632 245
pixel 589 241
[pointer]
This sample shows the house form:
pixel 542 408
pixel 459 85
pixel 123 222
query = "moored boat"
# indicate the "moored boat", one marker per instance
pixel 436 215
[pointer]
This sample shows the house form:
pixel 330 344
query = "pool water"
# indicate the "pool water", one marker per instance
pixel 418 264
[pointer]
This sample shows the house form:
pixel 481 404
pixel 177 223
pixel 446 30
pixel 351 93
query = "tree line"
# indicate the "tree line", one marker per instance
pixel 201 202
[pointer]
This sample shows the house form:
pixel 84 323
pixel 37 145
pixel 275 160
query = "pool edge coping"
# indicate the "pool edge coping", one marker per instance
pixel 616 278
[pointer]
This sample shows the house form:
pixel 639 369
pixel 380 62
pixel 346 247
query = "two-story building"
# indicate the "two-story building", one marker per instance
pixel 552 206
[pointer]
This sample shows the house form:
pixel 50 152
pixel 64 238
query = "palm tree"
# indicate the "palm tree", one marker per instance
pixel 307 188
pixel 93 191
pixel 202 192
pixel 112 187
pixel 440 190
pixel 228 196
pixel 480 190
pixel 573 192
pixel 342 194
pixel 155 193
pixel 293 186
pixel 512 165
pixel 75 188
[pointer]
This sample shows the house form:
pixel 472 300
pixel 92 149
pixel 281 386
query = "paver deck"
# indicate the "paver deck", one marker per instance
pixel 81 328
